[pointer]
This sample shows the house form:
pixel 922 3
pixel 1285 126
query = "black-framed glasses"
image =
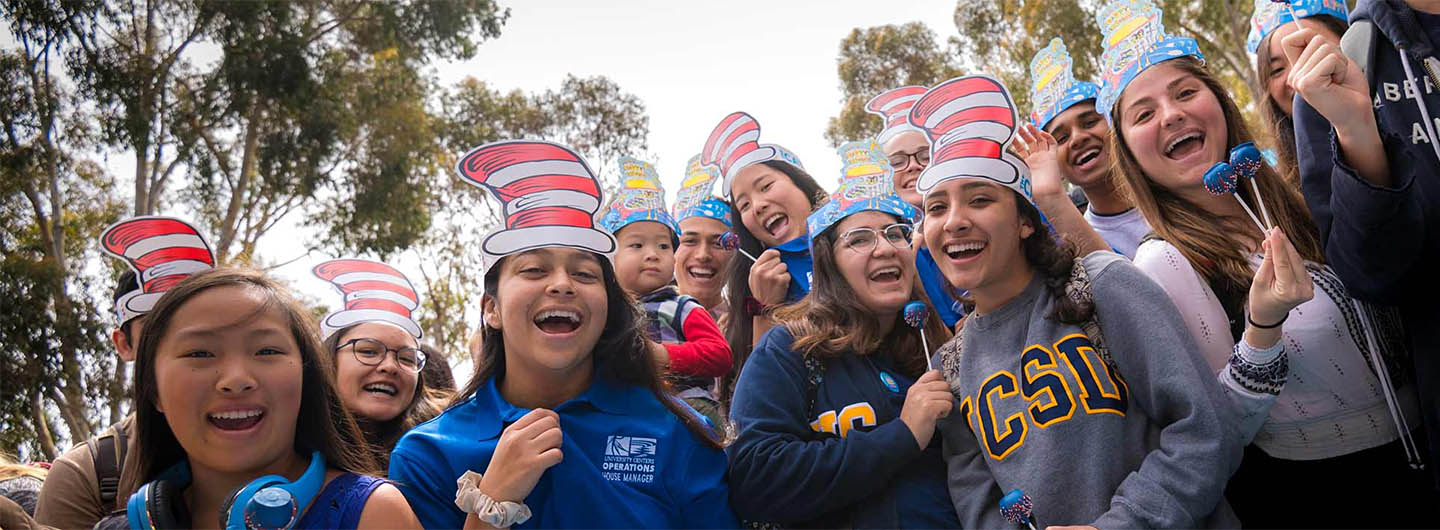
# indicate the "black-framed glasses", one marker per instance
pixel 900 161
pixel 864 239
pixel 371 352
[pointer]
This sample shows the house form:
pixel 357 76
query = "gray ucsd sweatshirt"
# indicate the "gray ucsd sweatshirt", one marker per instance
pixel 1146 442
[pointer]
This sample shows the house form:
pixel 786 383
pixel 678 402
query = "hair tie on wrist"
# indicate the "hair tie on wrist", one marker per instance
pixel 1271 326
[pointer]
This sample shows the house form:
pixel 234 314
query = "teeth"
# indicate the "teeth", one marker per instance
pixel 236 414
pixel 962 247
pixel 703 272
pixel 1182 138
pixel 773 221
pixel 1087 156
pixel 885 271
pixel 555 313
pixel 382 387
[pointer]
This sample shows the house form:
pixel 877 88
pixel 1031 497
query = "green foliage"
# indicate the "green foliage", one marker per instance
pixel 877 59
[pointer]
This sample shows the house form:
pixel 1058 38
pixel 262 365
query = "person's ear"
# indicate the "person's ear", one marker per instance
pixel 121 340
pixel 1026 229
pixel 490 311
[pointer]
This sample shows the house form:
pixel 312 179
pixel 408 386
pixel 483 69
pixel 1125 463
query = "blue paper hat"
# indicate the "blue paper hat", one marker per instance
pixel 1053 87
pixel 641 198
pixel 1270 14
pixel 1135 39
pixel 695 198
pixel 866 184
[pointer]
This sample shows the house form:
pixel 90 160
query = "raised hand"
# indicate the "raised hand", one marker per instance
pixel 1328 80
pixel 526 449
pixel 1280 284
pixel 927 401
pixel 1041 152
pixel 769 278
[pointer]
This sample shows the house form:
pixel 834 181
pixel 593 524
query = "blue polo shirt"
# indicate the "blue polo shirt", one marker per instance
pixel 795 254
pixel 628 463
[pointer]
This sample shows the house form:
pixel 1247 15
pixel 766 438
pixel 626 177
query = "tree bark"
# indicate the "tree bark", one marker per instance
pixel 230 227
pixel 42 428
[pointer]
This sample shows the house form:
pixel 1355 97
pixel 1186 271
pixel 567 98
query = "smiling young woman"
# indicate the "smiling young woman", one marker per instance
pixel 1244 290
pixel 566 417
pixel 231 386
pixel 836 391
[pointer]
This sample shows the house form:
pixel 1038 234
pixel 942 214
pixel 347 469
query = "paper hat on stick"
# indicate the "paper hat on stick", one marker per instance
pixel 162 251
pixel 734 145
pixel 695 198
pixel 1270 14
pixel 970 122
pixel 1135 39
pixel 893 106
pixel 641 198
pixel 1053 87
pixel 549 194
pixel 374 292
pixel 866 184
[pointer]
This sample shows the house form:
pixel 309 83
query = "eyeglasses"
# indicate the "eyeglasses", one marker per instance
pixel 900 161
pixel 863 240
pixel 371 352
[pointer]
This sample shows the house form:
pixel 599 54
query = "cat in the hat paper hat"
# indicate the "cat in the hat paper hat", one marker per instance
pixel 373 292
pixel 970 122
pixel 549 196
pixel 734 144
pixel 905 146
pixel 162 251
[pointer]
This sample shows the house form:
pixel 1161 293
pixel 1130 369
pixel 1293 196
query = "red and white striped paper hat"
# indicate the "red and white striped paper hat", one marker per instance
pixel 374 292
pixel 734 145
pixel 970 121
pixel 162 251
pixel 549 194
pixel 893 106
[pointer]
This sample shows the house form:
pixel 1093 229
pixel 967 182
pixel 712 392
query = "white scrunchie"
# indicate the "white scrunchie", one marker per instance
pixel 499 514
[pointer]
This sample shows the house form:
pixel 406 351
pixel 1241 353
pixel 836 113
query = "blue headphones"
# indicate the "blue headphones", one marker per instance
pixel 270 502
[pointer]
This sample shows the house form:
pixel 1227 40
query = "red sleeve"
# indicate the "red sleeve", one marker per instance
pixel 704 352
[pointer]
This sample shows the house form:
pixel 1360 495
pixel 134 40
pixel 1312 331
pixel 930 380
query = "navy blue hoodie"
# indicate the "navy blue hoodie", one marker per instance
pixel 1384 243
pixel 850 462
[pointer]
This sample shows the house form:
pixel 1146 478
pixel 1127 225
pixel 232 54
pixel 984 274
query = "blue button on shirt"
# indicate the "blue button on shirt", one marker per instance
pixel 628 463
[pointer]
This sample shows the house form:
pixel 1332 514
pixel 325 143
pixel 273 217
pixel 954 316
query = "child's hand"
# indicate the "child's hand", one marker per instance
pixel 1042 153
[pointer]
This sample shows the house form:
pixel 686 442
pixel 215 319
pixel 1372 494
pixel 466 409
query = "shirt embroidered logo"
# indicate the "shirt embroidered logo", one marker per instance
pixel 629 459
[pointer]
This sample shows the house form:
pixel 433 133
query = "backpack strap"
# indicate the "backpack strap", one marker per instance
pixel 108 454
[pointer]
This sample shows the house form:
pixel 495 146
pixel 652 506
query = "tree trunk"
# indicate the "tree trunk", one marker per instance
pixel 230 227
pixel 42 428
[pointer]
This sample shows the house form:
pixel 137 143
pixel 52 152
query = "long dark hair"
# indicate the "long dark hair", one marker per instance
pixel 621 354
pixel 1278 124
pixel 831 321
pixel 381 436
pixel 323 424
pixel 1207 243
pixel 737 283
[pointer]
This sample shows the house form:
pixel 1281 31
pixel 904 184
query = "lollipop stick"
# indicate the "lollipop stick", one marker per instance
pixel 1263 211
pixel 929 359
pixel 1251 213
pixel 1293 17
pixel 746 254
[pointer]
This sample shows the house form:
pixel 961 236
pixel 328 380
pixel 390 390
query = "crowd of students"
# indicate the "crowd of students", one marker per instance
pixel 1223 337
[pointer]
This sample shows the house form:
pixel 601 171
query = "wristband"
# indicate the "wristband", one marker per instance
pixel 1271 326
pixel 755 307
pixel 499 514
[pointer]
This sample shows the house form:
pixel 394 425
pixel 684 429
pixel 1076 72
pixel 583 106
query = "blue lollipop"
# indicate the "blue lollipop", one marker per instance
pixel 1017 508
pixel 1246 159
pixel 915 314
pixel 1222 179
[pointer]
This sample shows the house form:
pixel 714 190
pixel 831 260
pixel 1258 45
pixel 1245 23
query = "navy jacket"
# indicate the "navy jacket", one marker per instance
pixel 850 462
pixel 1384 243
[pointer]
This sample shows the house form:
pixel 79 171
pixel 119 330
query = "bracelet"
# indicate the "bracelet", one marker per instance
pixel 499 514
pixel 755 307
pixel 1271 326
